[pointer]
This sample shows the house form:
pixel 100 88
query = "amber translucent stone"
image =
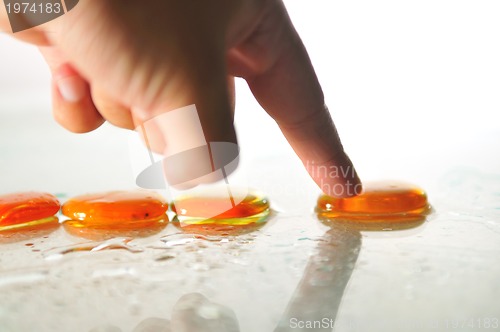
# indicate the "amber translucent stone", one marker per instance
pixel 29 207
pixel 115 206
pixel 388 200
pixel 115 212
pixel 217 210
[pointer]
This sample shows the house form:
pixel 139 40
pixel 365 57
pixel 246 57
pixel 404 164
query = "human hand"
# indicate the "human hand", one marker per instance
pixel 129 61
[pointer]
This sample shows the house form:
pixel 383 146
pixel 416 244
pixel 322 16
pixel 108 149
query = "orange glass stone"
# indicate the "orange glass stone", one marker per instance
pixel 31 208
pixel 379 201
pixel 215 209
pixel 116 213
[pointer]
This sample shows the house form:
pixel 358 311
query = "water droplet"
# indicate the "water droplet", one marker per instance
pixel 177 239
pixel 116 243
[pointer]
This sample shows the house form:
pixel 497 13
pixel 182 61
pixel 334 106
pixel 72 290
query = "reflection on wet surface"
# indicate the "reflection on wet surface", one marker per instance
pixel 143 228
pixel 223 229
pixel 319 293
pixel 30 230
pixel 315 302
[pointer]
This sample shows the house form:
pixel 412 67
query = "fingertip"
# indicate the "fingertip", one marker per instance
pixel 341 188
pixel 337 178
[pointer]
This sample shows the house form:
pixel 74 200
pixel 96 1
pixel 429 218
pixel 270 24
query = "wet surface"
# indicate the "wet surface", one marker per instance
pixel 294 270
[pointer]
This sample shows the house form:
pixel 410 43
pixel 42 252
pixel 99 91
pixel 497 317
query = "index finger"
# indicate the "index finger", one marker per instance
pixel 286 86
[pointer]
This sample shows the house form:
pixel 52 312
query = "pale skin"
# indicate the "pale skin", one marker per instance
pixel 124 62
